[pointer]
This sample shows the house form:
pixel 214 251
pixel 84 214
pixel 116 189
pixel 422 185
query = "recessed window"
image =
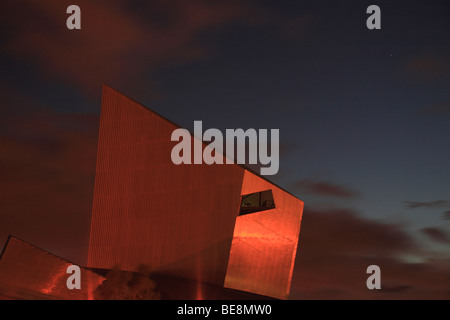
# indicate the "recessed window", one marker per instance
pixel 255 202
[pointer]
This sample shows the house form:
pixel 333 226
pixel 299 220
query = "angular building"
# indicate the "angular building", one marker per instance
pixel 219 224
pixel 31 273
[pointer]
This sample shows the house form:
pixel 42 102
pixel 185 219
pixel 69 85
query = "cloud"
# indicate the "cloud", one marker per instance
pixel 446 215
pixel 429 204
pixel 437 108
pixel 294 27
pixel 437 234
pixel 47 165
pixel 324 188
pixel 13 103
pixel 287 147
pixel 337 245
pixel 427 66
pixel 118 43
pixel 48 186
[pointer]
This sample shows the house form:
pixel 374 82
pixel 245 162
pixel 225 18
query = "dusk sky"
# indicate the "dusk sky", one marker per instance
pixel 364 120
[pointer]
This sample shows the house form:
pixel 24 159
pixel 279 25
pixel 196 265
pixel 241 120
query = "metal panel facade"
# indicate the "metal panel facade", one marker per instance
pixel 265 243
pixel 182 220
pixel 177 219
pixel 28 272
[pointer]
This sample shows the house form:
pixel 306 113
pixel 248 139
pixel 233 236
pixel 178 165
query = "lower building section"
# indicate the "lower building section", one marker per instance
pixel 214 225
pixel 30 273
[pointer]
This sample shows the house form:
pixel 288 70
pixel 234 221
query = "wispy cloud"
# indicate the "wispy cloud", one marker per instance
pixel 337 245
pixel 428 66
pixel 429 204
pixel 446 215
pixel 437 234
pixel 437 108
pixel 118 44
pixel 47 165
pixel 324 188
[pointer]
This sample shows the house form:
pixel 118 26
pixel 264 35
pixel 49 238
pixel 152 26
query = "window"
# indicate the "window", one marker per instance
pixel 255 202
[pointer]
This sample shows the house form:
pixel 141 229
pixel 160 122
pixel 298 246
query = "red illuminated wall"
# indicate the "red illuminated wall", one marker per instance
pixel 182 220
pixel 28 272
pixel 176 219
pixel 265 243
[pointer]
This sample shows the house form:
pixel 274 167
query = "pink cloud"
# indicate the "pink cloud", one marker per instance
pixel 324 188
pixel 47 167
pixel 428 66
pixel 116 45
pixel 337 246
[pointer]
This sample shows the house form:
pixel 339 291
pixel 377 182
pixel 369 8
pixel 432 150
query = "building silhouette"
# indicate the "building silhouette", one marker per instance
pixel 29 272
pixel 197 221
pixel 205 226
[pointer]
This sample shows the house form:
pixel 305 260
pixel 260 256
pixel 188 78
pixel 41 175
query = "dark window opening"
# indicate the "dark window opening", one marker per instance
pixel 255 202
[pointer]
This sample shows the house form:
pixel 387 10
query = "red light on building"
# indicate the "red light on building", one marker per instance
pixel 28 272
pixel 265 243
pixel 182 220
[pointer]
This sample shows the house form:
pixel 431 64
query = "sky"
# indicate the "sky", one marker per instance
pixel 363 118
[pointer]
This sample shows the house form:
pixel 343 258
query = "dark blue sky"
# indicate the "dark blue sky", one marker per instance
pixel 354 106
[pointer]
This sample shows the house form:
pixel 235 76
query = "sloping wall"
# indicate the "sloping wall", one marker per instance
pixel 28 272
pixel 265 243
pixel 175 219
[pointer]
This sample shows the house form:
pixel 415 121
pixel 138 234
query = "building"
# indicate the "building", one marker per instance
pixel 29 272
pixel 218 224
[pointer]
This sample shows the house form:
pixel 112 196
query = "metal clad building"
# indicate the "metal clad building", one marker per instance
pixel 185 220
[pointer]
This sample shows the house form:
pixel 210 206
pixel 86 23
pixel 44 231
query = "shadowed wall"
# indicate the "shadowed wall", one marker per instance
pixel 28 272
pixel 176 219
pixel 181 220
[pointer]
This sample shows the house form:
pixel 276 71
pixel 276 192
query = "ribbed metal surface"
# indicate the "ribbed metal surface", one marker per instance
pixel 182 220
pixel 147 210
pixel 265 243
pixel 28 272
